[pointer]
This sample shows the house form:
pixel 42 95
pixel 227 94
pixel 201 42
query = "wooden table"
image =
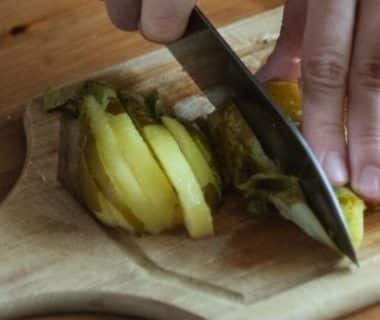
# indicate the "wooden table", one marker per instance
pixel 47 43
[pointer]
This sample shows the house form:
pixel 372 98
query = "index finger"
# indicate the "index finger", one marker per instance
pixel 326 57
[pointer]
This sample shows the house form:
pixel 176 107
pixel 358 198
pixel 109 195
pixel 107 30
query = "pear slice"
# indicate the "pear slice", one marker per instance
pixel 202 147
pixel 105 185
pixel 90 195
pixel 128 190
pixel 147 171
pixel 198 162
pixel 197 214
pixel 288 96
pixel 205 148
pixel 97 202
pixel 353 208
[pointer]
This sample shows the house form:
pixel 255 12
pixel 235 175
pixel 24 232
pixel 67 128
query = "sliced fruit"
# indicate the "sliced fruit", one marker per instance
pixel 117 168
pixel 141 114
pixel 90 194
pixel 147 171
pixel 197 214
pixel 353 209
pixel 106 186
pixel 97 202
pixel 119 218
pixel 205 148
pixel 288 96
pixel 198 163
pixel 198 139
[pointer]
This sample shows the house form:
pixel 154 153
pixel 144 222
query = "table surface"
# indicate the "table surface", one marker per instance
pixel 47 43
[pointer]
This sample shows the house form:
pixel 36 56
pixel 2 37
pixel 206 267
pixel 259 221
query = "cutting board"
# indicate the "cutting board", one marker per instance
pixel 55 257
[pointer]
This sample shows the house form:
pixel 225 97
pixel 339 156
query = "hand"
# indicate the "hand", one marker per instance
pixel 340 50
pixel 158 20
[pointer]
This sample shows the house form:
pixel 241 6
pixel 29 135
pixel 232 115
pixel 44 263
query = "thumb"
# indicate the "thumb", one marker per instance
pixel 165 20
pixel 285 61
pixel 124 14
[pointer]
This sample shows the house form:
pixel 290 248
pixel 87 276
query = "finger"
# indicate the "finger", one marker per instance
pixel 165 20
pixel 124 14
pixel 326 56
pixel 284 62
pixel 364 104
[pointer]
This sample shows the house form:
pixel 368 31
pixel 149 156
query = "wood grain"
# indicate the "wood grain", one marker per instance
pixel 58 258
pixel 46 44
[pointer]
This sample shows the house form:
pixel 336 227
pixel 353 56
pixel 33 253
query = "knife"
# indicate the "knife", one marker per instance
pixel 217 65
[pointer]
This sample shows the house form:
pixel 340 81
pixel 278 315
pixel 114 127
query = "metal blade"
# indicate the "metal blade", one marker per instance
pixel 211 62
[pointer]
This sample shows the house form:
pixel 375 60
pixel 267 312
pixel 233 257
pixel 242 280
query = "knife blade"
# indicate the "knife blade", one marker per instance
pixel 217 65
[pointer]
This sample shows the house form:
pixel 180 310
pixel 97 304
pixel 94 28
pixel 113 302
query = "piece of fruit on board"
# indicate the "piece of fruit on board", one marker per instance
pixel 137 167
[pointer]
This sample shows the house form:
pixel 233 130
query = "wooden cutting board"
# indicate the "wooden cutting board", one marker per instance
pixel 54 256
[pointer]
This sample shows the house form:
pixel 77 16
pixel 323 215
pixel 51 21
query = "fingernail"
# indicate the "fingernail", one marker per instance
pixel 335 168
pixel 369 183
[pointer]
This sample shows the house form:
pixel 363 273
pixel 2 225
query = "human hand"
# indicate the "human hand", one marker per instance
pixel 340 51
pixel 158 20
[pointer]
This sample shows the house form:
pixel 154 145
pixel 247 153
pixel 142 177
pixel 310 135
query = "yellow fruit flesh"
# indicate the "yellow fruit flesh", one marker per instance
pixel 98 204
pixel 353 208
pixel 90 193
pixel 105 184
pixel 147 171
pixel 197 214
pixel 287 96
pixel 202 147
pixel 205 149
pixel 198 163
pixel 120 220
pixel 117 168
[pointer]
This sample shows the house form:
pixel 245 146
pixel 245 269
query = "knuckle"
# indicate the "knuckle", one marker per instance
pixel 325 72
pixel 369 137
pixel 328 133
pixel 366 74
pixel 332 127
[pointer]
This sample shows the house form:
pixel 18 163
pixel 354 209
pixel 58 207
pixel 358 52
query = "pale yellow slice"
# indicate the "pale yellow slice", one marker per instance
pixel 288 96
pixel 90 194
pixel 198 162
pixel 205 149
pixel 202 147
pixel 353 208
pixel 147 171
pixel 197 214
pixel 117 168
pixel 120 220
pixel 97 202
pixel 104 183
